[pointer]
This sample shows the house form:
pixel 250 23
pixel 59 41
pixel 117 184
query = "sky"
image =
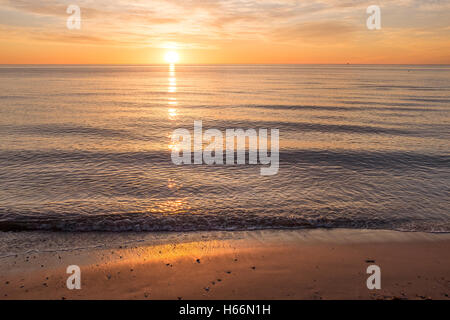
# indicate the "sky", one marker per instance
pixel 224 31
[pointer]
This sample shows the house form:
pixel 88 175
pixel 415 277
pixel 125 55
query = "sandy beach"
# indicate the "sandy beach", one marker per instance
pixel 302 264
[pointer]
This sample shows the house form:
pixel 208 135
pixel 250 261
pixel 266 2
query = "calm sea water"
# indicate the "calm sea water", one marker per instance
pixel 85 148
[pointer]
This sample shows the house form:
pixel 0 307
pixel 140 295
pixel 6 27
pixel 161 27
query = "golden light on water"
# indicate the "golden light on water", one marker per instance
pixel 172 89
pixel 172 85
pixel 172 101
pixel 172 113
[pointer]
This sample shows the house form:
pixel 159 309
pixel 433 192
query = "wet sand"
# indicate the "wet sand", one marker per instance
pixel 302 264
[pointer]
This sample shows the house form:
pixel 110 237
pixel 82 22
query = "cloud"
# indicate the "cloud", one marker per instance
pixel 207 23
pixel 331 31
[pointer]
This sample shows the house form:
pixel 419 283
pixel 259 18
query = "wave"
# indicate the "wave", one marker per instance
pixel 206 222
pixel 60 129
pixel 345 158
pixel 361 106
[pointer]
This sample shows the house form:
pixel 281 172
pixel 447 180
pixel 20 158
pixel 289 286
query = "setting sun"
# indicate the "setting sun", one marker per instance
pixel 171 57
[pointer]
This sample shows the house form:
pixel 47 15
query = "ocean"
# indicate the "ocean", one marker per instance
pixel 87 148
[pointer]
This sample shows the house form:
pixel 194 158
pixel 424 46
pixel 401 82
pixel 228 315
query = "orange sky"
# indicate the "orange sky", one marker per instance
pixel 231 31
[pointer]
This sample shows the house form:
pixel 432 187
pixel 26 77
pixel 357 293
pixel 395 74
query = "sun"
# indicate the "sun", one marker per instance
pixel 171 57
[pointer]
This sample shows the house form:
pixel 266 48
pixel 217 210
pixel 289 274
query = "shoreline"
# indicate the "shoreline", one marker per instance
pixel 261 264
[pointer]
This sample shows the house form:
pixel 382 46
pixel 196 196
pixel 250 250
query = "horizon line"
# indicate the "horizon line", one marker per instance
pixel 214 64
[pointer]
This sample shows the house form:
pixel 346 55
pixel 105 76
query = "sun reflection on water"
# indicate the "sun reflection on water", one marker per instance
pixel 172 112
pixel 172 88
pixel 170 207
